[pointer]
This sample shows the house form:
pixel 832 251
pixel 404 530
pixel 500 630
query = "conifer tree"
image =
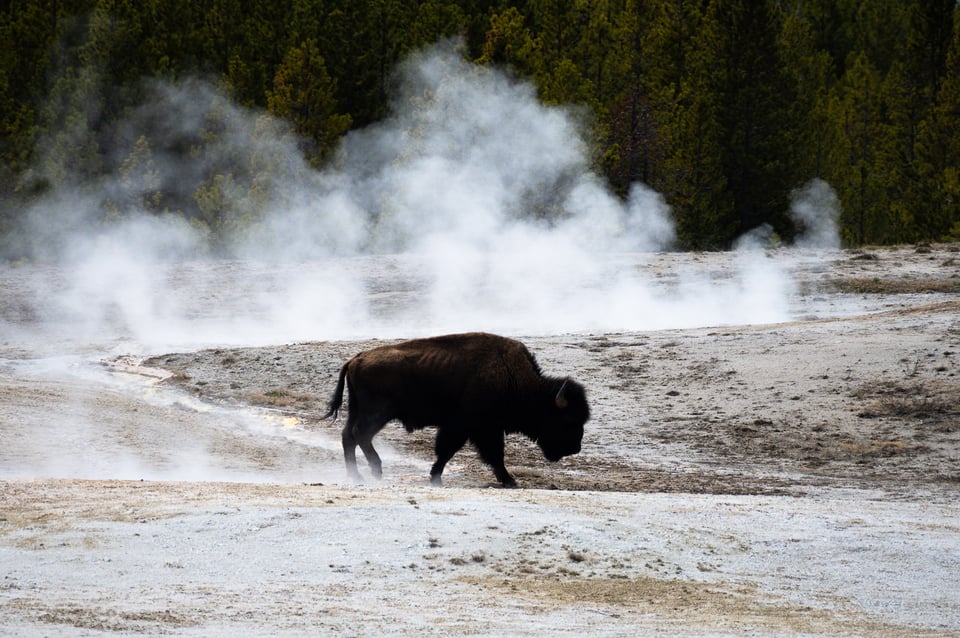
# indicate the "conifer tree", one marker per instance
pixel 813 75
pixel 305 95
pixel 755 98
pixel 856 130
pixel 694 178
pixel 938 149
pixel 634 145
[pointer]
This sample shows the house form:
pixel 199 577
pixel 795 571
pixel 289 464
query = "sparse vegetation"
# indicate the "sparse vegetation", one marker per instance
pixel 886 286
pixel 283 398
pixel 922 400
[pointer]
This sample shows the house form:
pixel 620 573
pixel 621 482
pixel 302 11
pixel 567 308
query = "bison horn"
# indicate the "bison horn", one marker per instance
pixel 561 400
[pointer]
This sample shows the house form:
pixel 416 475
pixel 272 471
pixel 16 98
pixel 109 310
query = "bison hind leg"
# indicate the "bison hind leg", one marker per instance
pixel 360 431
pixel 373 459
pixel 365 441
pixel 449 441
pixel 350 451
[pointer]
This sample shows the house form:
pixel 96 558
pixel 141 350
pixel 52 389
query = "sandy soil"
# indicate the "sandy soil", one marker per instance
pixel 789 479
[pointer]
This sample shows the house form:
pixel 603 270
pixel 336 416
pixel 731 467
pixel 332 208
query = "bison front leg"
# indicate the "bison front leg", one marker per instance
pixel 490 447
pixel 449 441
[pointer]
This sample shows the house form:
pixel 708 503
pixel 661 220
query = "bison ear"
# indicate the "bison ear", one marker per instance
pixel 561 399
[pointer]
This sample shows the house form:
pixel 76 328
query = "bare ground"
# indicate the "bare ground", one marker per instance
pixel 869 402
pixel 789 479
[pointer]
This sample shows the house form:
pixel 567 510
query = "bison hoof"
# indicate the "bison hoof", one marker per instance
pixel 436 480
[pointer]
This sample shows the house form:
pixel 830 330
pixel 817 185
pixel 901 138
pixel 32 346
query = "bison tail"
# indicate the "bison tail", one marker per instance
pixel 337 399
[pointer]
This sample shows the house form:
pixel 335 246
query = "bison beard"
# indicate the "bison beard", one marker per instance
pixel 472 387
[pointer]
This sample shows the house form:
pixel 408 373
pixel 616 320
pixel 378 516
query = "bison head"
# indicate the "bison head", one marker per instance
pixel 563 430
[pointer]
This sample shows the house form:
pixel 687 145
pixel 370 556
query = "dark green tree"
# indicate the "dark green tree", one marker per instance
pixel 509 42
pixel 856 133
pixel 911 91
pixel 813 75
pixel 938 150
pixel 436 19
pixel 632 117
pixel 305 95
pixel 669 43
pixel 755 98
pixel 693 176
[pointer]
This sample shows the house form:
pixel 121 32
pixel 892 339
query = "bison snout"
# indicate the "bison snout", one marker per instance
pixel 554 456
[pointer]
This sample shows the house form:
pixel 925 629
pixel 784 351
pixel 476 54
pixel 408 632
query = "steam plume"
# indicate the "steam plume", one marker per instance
pixel 815 209
pixel 472 206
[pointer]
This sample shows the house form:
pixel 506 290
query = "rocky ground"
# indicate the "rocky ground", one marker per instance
pixel 869 401
pixel 788 479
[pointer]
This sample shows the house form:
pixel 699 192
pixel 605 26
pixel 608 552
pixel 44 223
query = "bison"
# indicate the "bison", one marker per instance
pixel 472 387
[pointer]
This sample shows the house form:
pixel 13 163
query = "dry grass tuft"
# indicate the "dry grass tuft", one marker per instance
pixel 283 398
pixel 905 399
pixel 877 286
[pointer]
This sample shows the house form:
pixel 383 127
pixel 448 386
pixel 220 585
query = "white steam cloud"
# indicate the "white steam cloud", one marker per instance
pixel 815 209
pixel 472 206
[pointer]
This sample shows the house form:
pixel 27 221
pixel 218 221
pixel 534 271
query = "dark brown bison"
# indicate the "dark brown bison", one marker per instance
pixel 472 387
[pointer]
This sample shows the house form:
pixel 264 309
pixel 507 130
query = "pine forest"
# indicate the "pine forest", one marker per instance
pixel 723 107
